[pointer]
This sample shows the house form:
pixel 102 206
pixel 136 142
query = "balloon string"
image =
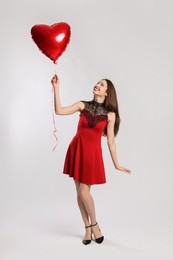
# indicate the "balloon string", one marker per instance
pixel 54 124
pixel 56 68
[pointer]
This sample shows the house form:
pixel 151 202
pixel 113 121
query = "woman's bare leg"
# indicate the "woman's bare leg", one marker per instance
pixel 86 198
pixel 87 207
pixel 81 205
pixel 84 213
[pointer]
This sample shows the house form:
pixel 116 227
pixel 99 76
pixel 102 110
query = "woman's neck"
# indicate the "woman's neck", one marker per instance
pixel 99 99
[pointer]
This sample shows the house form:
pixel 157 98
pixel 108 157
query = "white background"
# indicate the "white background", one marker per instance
pixel 130 43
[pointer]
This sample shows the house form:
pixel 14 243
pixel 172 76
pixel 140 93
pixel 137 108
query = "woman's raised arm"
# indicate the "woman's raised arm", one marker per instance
pixel 78 106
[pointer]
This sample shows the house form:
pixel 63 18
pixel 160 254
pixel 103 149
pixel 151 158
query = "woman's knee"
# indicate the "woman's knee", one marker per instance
pixel 83 192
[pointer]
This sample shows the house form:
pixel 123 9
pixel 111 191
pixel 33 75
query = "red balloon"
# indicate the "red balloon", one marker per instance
pixel 51 40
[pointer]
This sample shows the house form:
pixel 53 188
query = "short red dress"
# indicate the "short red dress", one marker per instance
pixel 84 161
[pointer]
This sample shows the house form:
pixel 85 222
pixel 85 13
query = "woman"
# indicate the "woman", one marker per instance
pixel 84 162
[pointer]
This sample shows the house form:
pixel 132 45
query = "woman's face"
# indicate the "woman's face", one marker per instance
pixel 100 89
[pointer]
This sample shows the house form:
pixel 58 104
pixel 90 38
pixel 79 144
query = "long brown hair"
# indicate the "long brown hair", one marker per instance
pixel 111 104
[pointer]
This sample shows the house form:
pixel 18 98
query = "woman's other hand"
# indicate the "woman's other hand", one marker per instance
pixel 121 168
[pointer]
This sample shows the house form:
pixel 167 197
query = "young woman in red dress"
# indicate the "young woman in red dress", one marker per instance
pixel 84 162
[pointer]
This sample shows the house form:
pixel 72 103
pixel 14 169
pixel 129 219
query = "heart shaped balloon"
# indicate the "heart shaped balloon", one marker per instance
pixel 51 40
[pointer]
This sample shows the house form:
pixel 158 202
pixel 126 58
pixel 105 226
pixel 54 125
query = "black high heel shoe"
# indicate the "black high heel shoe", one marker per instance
pixel 87 241
pixel 98 240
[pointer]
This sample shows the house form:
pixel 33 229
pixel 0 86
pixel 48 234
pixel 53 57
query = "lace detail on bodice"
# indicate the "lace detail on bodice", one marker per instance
pixel 94 112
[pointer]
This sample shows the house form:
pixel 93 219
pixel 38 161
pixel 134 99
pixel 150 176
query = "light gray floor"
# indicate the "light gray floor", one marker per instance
pixel 56 231
pixel 48 238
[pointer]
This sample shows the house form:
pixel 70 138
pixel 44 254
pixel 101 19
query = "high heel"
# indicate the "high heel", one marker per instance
pixel 87 241
pixel 98 240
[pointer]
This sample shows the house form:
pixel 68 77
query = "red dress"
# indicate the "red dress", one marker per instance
pixel 84 161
